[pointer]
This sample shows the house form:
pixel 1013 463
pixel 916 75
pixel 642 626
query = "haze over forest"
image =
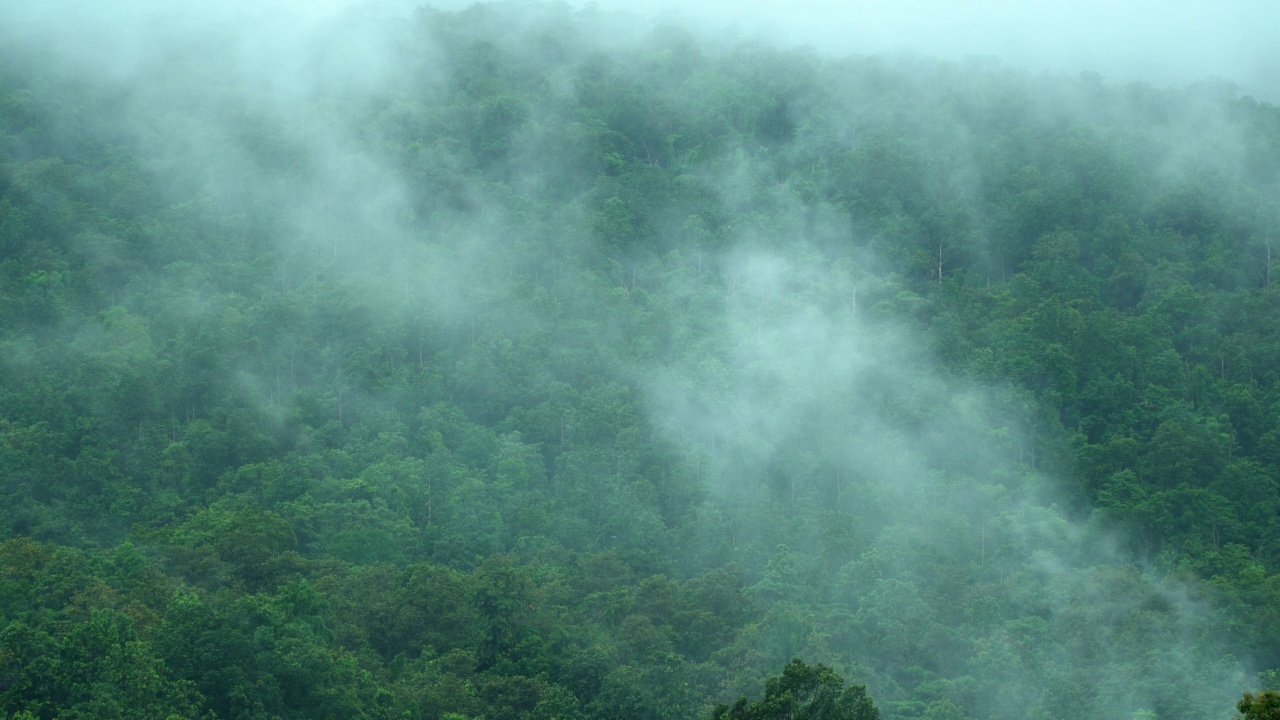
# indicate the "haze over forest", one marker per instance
pixel 544 360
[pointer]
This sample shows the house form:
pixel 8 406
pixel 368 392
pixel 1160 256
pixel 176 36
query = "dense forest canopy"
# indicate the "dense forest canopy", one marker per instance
pixel 528 362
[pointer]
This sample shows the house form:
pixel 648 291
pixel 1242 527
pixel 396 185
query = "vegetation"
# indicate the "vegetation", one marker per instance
pixel 811 693
pixel 534 377
pixel 1261 706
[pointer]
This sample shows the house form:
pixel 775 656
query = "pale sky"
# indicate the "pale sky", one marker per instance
pixel 1162 42
pixel 1170 41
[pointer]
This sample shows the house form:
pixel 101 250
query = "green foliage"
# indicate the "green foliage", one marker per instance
pixel 1262 706
pixel 804 692
pixel 557 379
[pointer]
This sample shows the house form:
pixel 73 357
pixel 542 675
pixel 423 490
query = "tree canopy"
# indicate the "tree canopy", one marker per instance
pixel 804 692
pixel 468 364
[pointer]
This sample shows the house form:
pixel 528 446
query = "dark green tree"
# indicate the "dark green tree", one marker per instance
pixel 1262 706
pixel 804 692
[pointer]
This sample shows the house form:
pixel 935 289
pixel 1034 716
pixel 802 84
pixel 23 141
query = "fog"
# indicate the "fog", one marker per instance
pixel 804 396
pixel 1131 40
pixel 1152 41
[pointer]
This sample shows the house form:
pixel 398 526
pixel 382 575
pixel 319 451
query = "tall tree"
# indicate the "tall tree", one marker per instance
pixel 804 692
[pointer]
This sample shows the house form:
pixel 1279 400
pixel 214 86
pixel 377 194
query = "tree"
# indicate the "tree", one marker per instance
pixel 1263 706
pixel 804 692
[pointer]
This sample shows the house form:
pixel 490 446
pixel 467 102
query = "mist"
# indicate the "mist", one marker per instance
pixel 604 307
pixel 1162 43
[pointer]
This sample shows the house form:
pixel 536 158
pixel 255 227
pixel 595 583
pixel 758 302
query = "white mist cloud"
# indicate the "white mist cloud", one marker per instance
pixel 1160 42
pixel 1168 42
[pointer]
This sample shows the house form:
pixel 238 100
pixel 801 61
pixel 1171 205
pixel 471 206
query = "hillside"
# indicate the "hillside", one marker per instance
pixel 465 364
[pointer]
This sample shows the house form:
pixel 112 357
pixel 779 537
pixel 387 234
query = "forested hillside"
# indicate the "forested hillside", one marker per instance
pixel 473 365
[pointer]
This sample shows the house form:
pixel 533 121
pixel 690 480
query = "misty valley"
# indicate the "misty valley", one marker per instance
pixel 532 361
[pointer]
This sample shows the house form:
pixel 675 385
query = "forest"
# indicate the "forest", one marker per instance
pixel 526 361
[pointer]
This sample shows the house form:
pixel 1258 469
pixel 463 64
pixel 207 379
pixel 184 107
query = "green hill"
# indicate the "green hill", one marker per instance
pixel 465 364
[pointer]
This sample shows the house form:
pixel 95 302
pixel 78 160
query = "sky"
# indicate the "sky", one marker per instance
pixel 1157 41
pixel 1161 42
